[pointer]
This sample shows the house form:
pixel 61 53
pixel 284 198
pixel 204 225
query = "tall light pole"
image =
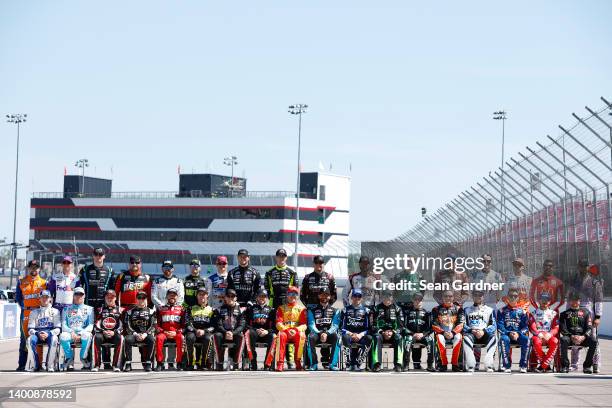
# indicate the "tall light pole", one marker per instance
pixel 501 115
pixel 298 109
pixel 17 118
pixel 231 161
pixel 82 163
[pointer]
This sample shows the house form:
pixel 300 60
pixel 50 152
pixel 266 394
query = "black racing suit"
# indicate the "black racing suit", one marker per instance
pixel 577 322
pixel 259 317
pixel 417 321
pixel 246 282
pixel 277 282
pixel 96 281
pixel 229 319
pixel 199 318
pixel 312 285
pixel 385 318
pixel 140 320
pixel 191 284
pixel 108 318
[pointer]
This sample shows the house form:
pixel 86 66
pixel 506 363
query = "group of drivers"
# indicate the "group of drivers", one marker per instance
pixel 236 310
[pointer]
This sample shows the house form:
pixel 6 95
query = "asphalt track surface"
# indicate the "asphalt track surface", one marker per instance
pixel 315 389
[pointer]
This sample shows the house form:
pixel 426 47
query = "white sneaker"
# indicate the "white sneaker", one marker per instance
pixel 116 369
pixel 94 369
pixel 50 370
pixel 507 370
pixel 470 370
pixel 29 370
pixel 523 370
pixel 573 368
pixel 489 369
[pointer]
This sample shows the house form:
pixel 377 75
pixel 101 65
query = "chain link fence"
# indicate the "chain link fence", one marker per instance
pixel 551 201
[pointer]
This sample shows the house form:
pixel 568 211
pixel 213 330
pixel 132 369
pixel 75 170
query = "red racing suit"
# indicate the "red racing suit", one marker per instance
pixel 170 318
pixel 127 287
pixel 547 284
pixel 543 321
pixel 289 317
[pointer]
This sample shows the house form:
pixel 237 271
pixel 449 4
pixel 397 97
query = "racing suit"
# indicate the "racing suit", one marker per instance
pixel 127 287
pixel 522 283
pixel 312 285
pixel 199 318
pixel 449 276
pixel 513 319
pixel 577 322
pixel 543 321
pixel 385 318
pixel 170 318
pixel 371 297
pixel 417 321
pixel 277 281
pixel 547 284
pixel 160 288
pixel 246 282
pixel 27 297
pixel 590 288
pixel 259 317
pixel 61 287
pixel 140 320
pixel 95 281
pixel 356 320
pixel 191 284
pixel 77 319
pixel 44 319
pixel 448 318
pixel 479 317
pixel 289 317
pixel 216 285
pixel 491 297
pixel 229 319
pixel 108 318
pixel 323 319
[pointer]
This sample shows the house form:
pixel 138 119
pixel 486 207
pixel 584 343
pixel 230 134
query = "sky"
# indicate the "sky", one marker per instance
pixel 400 93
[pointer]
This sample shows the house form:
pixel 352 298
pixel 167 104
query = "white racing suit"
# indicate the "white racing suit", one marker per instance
pixel 44 319
pixel 479 317
pixel 160 289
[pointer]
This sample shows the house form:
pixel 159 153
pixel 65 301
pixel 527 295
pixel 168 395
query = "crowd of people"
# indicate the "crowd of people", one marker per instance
pixel 98 312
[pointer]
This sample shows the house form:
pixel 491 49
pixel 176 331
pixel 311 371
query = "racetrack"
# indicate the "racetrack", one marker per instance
pixel 308 389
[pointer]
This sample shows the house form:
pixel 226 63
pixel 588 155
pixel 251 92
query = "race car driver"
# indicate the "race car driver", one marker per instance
pixel 129 284
pixel 170 327
pixel 479 329
pixel 77 325
pixel 245 280
pixel 323 323
pixel 576 328
pixel 278 280
pixel 44 325
pixel 108 328
pixel 355 330
pixel 163 283
pixel 314 282
pixel 140 324
pixel 544 326
pixel 216 284
pixel 512 324
pixel 261 327
pixel 417 329
pixel 192 283
pixel 200 329
pixel 291 325
pixel 387 326
pixel 229 328
pixel 547 283
pixel 447 323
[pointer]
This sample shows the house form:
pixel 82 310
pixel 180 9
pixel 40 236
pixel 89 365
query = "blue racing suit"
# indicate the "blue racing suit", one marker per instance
pixel 45 319
pixel 356 320
pixel 513 320
pixel 77 319
pixel 323 319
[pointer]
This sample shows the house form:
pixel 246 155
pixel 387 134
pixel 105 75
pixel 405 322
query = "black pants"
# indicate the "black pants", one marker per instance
pixel 314 339
pixel 202 352
pixel 252 338
pixel 566 343
pixel 147 354
pixel 417 352
pixel 116 340
pixel 396 342
pixel 236 350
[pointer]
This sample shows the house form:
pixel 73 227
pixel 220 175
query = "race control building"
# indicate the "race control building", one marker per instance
pixel 210 215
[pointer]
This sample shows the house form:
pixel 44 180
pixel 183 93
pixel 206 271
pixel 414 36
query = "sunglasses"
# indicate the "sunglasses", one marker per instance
pixel 66 263
pixel 167 268
pixel 79 294
pixel 222 263
pixel 98 254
